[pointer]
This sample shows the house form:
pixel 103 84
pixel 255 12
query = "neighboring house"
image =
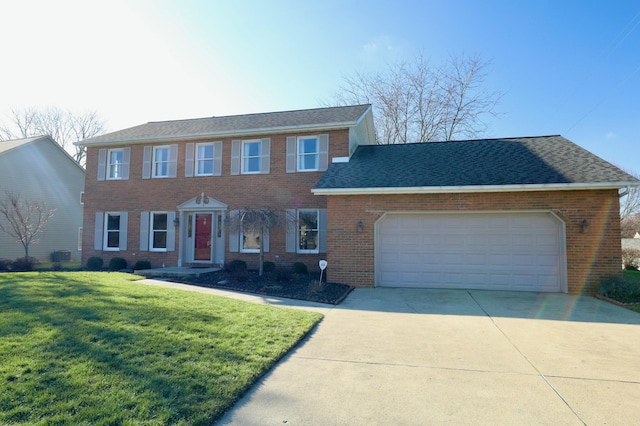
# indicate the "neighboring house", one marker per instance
pixel 39 169
pixel 537 214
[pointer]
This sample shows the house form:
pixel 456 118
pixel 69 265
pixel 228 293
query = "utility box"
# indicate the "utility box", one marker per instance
pixel 61 256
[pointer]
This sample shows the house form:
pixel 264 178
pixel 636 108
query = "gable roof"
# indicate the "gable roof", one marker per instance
pixel 517 164
pixel 9 145
pixel 309 119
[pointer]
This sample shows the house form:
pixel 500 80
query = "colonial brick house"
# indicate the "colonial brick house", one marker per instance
pixel 534 214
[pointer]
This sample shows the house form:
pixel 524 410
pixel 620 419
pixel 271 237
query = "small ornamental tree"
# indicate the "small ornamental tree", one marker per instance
pixel 259 220
pixel 23 219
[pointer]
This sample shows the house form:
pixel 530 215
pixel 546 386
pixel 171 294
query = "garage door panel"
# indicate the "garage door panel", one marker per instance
pixel 518 251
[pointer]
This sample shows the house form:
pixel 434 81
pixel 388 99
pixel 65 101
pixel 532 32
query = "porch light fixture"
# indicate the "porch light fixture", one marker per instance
pixel 176 221
pixel 359 227
pixel 584 225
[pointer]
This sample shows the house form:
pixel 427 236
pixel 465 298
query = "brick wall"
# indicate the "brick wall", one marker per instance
pixel 277 189
pixel 590 256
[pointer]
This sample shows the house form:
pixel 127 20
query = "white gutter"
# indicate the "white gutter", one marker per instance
pixel 473 188
pixel 222 134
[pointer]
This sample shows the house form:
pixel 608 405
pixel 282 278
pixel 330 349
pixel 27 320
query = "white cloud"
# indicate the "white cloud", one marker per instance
pixel 611 136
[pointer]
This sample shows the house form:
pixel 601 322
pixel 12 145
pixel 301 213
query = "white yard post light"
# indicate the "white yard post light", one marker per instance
pixel 323 265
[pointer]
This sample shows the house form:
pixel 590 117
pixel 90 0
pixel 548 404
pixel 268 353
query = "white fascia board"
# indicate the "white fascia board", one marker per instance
pixel 247 132
pixel 473 188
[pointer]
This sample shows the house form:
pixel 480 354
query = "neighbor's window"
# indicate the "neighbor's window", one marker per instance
pixel 204 159
pixel 158 234
pixel 112 231
pixel 308 153
pixel 251 156
pixel 161 161
pixel 115 160
pixel 308 231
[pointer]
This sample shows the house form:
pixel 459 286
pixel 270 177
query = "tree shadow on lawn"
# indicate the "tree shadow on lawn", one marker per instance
pixel 98 350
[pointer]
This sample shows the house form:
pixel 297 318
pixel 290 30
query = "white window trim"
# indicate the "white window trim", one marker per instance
pixel 109 164
pixel 298 249
pixel 243 157
pixel 299 155
pixel 80 238
pixel 154 162
pixel 105 235
pixel 242 249
pixel 197 159
pixel 82 197
pixel 151 231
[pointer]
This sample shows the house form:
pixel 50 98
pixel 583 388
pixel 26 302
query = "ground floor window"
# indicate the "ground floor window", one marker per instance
pixel 308 231
pixel 112 231
pixel 158 234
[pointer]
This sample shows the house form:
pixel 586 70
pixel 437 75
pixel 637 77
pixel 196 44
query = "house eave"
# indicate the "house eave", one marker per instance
pixel 223 134
pixel 473 188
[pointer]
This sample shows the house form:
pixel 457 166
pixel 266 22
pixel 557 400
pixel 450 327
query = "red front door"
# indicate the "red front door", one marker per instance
pixel 202 249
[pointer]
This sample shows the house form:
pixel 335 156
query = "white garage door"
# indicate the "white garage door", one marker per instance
pixel 491 251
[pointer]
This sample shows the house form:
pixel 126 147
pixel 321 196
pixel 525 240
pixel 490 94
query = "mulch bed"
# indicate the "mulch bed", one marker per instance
pixel 296 286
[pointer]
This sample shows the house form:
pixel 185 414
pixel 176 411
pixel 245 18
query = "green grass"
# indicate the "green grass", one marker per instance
pixel 91 348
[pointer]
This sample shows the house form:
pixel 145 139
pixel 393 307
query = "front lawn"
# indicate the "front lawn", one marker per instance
pixel 97 348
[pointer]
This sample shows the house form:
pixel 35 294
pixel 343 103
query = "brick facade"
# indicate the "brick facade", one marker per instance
pixel 591 255
pixel 277 189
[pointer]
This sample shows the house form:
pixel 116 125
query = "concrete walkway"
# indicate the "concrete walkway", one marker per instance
pixel 416 357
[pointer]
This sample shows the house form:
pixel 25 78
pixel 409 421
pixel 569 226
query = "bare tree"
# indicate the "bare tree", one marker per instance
pixel 257 220
pixel 23 219
pixel 64 126
pixel 420 102
pixel 630 210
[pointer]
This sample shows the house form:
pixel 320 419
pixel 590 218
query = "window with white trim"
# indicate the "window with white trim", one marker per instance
pixel 80 238
pixel 251 156
pixel 111 231
pixel 308 153
pixel 204 159
pixel 250 241
pixel 161 158
pixel 158 228
pixel 307 235
pixel 115 164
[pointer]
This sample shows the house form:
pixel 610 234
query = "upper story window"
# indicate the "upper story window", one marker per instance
pixel 251 156
pixel 113 164
pixel 308 153
pixel 204 159
pixel 115 160
pixel 161 161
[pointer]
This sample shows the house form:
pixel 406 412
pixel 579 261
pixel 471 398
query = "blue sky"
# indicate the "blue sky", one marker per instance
pixel 565 67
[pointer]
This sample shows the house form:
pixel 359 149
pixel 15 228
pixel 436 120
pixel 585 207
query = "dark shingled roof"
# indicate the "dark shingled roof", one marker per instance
pixel 236 124
pixel 509 161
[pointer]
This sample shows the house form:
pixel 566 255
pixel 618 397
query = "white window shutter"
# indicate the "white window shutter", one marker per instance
pixel 323 151
pixel 217 158
pixel 126 160
pixel 266 156
pixel 144 231
pixel 98 230
pixel 124 224
pixel 236 146
pixel 234 232
pixel 171 231
pixel 102 163
pixel 189 160
pixel 322 230
pixel 173 160
pixel 265 241
pixel 292 154
pixel 292 230
pixel 146 162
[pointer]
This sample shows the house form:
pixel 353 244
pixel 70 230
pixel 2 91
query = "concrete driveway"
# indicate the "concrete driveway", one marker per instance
pixel 415 357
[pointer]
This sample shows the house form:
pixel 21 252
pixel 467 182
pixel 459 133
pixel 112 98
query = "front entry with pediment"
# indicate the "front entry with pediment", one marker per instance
pixel 202 231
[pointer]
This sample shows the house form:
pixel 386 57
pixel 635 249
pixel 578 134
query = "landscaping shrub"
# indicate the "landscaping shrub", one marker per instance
pixel 94 263
pixel 283 275
pixel 23 264
pixel 117 263
pixel 620 289
pixel 630 259
pixel 142 264
pixel 56 266
pixel 5 264
pixel 236 266
pixel 300 268
pixel 268 266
